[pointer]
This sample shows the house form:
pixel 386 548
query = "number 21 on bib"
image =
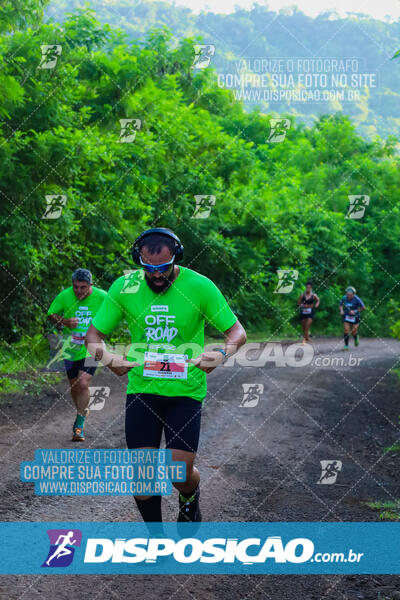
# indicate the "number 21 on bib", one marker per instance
pixel 165 366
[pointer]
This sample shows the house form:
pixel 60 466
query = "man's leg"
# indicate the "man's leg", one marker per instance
pixel 346 327
pixel 149 506
pixel 72 370
pixel 81 396
pixel 354 332
pixel 182 431
pixel 189 490
pixel 192 473
pixel 143 429
pixel 80 393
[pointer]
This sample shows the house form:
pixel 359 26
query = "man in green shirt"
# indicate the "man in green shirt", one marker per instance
pixel 74 309
pixel 165 307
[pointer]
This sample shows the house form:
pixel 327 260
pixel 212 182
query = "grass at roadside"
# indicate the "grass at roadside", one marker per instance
pixel 32 384
pixel 21 365
pixel 393 448
pixel 390 510
pixel 25 355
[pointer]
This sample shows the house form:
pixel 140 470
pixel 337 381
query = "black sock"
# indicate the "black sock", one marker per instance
pixel 346 339
pixel 188 495
pixel 150 509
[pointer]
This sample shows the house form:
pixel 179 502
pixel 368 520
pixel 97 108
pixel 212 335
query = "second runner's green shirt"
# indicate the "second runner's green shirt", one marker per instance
pixel 67 305
pixel 172 322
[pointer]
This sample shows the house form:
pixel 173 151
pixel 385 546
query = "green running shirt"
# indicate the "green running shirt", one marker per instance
pixel 67 305
pixel 172 321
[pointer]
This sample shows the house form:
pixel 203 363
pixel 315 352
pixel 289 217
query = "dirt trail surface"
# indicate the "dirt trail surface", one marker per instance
pixel 258 463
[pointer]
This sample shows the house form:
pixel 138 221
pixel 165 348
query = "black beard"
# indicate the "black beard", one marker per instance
pixel 159 289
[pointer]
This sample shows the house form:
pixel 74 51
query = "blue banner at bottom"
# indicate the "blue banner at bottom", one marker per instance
pixel 213 548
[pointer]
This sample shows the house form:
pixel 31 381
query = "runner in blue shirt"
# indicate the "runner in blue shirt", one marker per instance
pixel 350 307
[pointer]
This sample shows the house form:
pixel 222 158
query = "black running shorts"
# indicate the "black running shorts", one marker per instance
pixel 148 414
pixel 74 366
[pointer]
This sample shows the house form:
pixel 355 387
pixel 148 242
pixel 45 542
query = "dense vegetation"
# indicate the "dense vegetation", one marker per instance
pixel 278 205
pixel 260 32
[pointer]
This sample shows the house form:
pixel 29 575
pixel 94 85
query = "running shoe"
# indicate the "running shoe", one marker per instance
pixel 346 348
pixel 78 435
pixel 189 508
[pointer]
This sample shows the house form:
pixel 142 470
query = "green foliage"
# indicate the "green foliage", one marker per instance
pixel 393 448
pixel 22 362
pixel 15 14
pixel 391 510
pixel 32 385
pixel 260 32
pixel 278 205
pixel 29 353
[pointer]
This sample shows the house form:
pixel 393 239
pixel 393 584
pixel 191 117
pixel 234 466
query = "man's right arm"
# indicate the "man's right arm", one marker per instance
pixel 107 318
pixel 94 342
pixel 59 320
pixel 56 320
pixel 57 310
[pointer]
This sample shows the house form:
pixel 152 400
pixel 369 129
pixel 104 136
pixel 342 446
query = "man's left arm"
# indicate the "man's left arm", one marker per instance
pixel 235 337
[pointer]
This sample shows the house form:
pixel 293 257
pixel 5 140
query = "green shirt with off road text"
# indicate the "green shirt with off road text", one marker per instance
pixel 168 322
pixel 67 305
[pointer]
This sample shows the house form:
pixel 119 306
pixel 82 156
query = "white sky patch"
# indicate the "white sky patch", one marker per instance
pixel 383 10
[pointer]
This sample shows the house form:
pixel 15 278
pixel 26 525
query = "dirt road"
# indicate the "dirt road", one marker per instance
pixel 259 462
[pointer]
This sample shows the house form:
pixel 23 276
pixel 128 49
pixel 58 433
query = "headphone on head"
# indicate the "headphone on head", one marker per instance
pixel 178 252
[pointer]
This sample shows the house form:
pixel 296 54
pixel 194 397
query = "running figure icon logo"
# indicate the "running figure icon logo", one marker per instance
pixel 132 281
pixel 203 207
pixel 329 471
pixel 50 54
pixel 357 206
pixel 129 127
pixel 54 205
pixel 203 54
pixel 251 394
pixel 62 547
pixel 98 396
pixel 278 130
pixel 287 279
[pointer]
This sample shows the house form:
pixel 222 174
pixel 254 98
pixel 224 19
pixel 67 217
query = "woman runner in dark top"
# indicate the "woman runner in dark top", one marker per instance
pixel 307 302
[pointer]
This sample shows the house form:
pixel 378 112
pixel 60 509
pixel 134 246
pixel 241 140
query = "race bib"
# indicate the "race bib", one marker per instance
pixel 165 365
pixel 350 318
pixel 306 311
pixel 78 337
